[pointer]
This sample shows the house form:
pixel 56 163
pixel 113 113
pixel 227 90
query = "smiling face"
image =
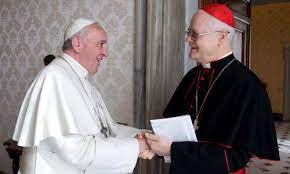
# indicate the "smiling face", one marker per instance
pixel 204 48
pixel 93 48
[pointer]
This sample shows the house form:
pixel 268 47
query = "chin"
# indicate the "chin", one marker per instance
pixel 193 56
pixel 193 53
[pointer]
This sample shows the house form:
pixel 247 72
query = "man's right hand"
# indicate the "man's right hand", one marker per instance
pixel 144 149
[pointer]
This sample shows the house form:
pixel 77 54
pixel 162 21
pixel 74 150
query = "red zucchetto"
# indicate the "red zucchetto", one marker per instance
pixel 220 12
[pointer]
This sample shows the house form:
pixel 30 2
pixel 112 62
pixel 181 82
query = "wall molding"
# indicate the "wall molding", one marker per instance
pixel 286 95
pixel 264 2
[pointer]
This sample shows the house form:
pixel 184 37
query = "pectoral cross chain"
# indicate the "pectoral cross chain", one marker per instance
pixel 104 131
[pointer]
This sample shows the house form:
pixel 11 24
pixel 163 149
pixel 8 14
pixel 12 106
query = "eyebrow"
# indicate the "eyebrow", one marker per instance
pixel 104 41
pixel 193 30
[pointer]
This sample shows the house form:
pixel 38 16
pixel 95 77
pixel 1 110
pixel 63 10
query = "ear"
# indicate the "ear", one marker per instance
pixel 222 36
pixel 76 44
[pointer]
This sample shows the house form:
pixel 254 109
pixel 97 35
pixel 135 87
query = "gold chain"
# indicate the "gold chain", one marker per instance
pixel 195 123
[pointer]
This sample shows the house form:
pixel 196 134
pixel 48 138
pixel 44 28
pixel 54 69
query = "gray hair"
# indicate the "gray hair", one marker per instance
pixel 67 44
pixel 217 25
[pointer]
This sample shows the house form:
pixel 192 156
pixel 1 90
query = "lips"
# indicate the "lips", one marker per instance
pixel 193 46
pixel 99 59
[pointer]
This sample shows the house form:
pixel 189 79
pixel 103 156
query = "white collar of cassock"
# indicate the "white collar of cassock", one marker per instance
pixel 207 65
pixel 76 66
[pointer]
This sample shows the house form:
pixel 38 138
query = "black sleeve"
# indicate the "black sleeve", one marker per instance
pixel 192 157
pixel 175 106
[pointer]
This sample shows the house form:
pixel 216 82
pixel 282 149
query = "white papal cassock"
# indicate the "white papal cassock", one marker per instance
pixel 59 126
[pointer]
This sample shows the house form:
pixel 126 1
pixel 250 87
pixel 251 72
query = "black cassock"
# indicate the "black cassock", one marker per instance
pixel 235 122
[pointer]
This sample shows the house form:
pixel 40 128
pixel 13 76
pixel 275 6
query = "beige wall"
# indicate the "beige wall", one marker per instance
pixel 31 29
pixel 270 29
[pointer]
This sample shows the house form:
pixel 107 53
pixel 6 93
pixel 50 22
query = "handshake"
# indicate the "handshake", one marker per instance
pixel 150 144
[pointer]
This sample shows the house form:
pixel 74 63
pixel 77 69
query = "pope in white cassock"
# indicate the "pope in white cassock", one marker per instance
pixel 64 125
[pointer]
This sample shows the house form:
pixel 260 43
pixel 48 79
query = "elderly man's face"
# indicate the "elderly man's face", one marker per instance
pixel 202 47
pixel 94 48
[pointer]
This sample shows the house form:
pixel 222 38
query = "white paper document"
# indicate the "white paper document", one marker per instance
pixel 177 129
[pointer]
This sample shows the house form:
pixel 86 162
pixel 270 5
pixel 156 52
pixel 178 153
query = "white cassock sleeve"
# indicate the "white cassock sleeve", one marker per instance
pixel 125 131
pixel 94 154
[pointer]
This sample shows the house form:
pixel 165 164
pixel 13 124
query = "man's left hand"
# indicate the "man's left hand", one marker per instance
pixel 159 144
pixel 147 153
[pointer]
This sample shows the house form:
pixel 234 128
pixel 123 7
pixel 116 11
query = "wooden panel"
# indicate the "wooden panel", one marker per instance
pixel 203 3
pixel 242 37
pixel 262 2
pixel 240 6
pixel 286 108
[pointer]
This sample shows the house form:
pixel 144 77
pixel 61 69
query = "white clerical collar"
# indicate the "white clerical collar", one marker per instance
pixel 229 53
pixel 76 66
pixel 207 65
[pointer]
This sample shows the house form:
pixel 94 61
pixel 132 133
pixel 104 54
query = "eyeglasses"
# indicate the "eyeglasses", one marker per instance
pixel 194 36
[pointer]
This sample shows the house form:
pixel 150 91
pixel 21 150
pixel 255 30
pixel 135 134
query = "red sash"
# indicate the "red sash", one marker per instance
pixel 241 171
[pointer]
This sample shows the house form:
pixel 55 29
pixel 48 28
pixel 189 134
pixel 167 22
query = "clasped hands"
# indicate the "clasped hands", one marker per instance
pixel 150 144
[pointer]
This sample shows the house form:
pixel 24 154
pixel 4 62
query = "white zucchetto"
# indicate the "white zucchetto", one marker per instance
pixel 76 26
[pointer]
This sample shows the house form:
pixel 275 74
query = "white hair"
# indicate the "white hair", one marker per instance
pixel 217 25
pixel 67 43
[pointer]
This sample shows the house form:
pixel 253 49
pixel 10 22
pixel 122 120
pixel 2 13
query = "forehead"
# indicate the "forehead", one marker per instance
pixel 96 33
pixel 199 21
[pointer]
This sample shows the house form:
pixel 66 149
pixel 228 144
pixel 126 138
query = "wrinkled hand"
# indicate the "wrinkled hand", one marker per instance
pixel 159 144
pixel 144 149
pixel 142 134
pixel 147 154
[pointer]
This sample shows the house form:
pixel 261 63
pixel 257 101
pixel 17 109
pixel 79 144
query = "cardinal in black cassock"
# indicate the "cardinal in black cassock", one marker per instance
pixel 227 103
pixel 234 124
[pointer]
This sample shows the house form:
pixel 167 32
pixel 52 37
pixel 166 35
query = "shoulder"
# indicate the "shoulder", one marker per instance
pixel 57 68
pixel 57 71
pixel 189 77
pixel 242 75
pixel 191 73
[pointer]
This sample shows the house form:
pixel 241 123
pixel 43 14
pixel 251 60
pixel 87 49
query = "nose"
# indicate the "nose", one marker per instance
pixel 105 51
pixel 188 39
